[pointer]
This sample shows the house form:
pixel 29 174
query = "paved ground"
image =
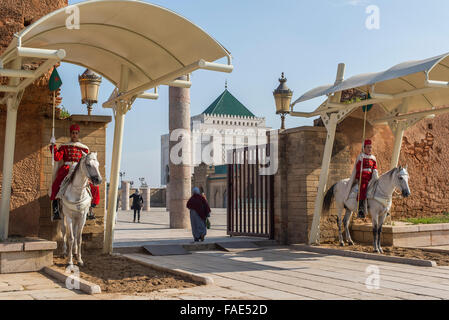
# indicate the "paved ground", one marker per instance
pixel 270 273
pixel 276 272
pixel 154 229
pixel 282 273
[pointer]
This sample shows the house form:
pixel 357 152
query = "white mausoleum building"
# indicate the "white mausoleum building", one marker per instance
pixel 224 125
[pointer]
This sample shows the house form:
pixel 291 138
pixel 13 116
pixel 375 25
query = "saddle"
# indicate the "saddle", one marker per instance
pixel 370 194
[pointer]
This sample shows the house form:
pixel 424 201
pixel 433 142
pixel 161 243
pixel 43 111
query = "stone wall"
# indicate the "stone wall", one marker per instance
pixel 217 191
pixel 296 182
pixel 157 197
pixel 199 177
pixel 16 15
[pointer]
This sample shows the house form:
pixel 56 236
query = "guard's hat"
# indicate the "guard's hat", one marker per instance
pixel 74 127
pixel 367 142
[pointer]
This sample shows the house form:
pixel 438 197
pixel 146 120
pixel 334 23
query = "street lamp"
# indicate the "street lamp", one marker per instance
pixel 122 174
pixel 282 97
pixel 89 84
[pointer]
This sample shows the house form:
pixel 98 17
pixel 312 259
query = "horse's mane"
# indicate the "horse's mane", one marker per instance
pixel 76 169
pixel 389 173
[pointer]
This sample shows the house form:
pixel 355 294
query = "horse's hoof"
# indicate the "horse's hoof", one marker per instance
pixel 342 244
pixel 380 250
pixel 350 243
pixel 376 250
pixel 80 263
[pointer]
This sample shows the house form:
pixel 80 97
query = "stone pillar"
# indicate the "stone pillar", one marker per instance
pixel 125 195
pixel 146 195
pixel 167 197
pixel 180 183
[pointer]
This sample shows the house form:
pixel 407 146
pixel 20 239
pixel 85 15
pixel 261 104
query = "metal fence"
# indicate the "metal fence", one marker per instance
pixel 250 209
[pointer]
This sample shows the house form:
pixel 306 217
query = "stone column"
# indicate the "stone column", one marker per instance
pixel 125 195
pixel 146 195
pixel 167 197
pixel 180 153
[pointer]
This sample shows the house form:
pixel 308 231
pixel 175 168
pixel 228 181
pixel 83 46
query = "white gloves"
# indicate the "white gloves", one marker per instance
pixel 52 140
pixel 375 175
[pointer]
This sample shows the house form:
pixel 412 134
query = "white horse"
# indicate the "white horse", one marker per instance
pixel 76 200
pixel 379 197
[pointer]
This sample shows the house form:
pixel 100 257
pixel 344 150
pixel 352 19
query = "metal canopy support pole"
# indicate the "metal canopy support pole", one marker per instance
pixel 12 103
pixel 120 110
pixel 398 129
pixel 331 128
pixel 398 135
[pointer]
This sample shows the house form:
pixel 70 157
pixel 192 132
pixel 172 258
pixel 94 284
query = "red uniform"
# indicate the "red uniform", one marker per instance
pixel 71 153
pixel 369 165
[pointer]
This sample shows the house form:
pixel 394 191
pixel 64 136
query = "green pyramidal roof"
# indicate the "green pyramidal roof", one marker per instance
pixel 227 104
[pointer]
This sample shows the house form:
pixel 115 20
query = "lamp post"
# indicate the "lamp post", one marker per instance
pixel 89 84
pixel 282 97
pixel 121 175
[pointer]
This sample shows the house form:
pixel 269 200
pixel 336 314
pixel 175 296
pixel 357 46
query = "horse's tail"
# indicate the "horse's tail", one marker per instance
pixel 328 198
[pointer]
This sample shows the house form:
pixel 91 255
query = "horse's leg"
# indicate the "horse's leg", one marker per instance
pixel 379 231
pixel 79 237
pixel 70 238
pixel 346 221
pixel 75 232
pixel 64 235
pixel 374 217
pixel 340 233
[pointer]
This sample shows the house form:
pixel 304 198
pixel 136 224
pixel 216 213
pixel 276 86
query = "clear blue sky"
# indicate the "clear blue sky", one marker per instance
pixel 305 39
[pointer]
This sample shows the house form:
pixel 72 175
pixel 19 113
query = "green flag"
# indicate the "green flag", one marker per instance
pixel 55 81
pixel 368 107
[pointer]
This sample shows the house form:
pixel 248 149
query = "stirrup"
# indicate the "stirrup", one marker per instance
pixel 361 215
pixel 55 210
pixel 90 215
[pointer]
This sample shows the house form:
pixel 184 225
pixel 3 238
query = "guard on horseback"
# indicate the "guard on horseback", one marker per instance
pixel 70 153
pixel 365 170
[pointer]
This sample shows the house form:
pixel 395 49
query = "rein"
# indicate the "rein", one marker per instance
pixel 75 170
pixel 83 202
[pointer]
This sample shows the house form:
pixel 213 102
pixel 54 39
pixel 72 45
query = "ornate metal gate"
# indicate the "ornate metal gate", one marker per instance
pixel 250 204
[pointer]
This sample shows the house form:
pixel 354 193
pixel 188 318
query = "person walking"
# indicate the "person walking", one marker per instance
pixel 199 212
pixel 137 204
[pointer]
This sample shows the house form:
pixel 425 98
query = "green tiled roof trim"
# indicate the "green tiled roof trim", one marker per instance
pixel 223 169
pixel 227 104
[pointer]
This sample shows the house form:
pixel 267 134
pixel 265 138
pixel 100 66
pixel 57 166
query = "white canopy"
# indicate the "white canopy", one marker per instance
pixel 150 40
pixel 135 45
pixel 408 79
